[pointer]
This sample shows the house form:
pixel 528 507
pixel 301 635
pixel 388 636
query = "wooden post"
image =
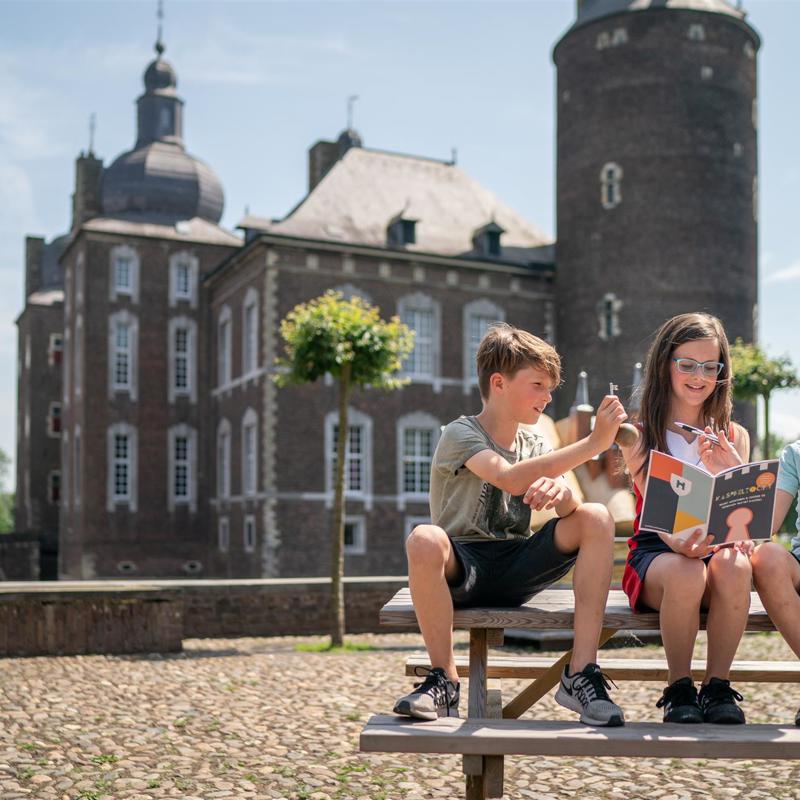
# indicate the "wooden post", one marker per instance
pixel 476 708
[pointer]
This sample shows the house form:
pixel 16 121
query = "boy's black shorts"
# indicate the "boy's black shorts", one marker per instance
pixel 507 572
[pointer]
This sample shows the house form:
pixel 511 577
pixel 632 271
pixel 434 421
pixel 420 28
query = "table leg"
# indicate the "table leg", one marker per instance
pixel 474 766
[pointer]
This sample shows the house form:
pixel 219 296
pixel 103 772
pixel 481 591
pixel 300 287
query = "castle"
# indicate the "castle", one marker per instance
pixel 152 439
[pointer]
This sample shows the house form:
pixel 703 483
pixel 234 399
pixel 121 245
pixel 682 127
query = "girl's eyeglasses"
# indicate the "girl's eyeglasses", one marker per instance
pixel 708 369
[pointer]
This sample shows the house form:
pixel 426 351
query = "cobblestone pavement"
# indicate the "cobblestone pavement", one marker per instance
pixel 256 718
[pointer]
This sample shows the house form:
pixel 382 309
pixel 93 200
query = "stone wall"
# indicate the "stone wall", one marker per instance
pixel 78 617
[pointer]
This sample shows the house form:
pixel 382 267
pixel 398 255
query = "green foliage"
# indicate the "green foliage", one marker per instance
pixel 757 375
pixel 6 500
pixel 328 333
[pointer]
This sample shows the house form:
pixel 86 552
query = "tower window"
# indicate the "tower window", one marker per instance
pixel 54 420
pixel 56 349
pixel 697 33
pixel 608 317
pixel 54 489
pixel 610 185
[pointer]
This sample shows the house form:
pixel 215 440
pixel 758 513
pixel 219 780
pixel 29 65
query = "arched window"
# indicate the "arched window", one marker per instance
pixel 608 316
pixel 249 453
pixel 250 332
pixel 182 461
pixel 417 435
pixel 224 346
pixel 182 359
pixel 611 185
pixel 183 273
pixel 422 314
pixel 224 460
pixel 121 461
pixel 358 454
pixel 478 316
pixel 124 273
pixel 123 336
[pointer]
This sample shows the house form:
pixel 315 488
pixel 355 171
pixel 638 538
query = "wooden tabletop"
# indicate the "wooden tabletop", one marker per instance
pixel 553 609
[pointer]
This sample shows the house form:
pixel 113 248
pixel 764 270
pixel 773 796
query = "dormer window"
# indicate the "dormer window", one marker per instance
pixel 486 240
pixel 401 232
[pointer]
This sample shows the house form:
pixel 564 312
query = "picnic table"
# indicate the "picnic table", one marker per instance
pixel 493 729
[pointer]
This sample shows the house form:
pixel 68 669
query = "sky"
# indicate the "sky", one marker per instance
pixel 263 81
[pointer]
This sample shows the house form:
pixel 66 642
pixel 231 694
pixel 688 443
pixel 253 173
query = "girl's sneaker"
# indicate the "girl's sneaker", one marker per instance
pixel 436 696
pixel 679 702
pixel 718 700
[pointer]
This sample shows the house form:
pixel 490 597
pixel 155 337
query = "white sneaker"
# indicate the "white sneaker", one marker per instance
pixel 587 693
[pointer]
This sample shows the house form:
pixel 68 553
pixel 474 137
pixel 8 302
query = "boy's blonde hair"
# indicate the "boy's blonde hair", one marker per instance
pixel 506 349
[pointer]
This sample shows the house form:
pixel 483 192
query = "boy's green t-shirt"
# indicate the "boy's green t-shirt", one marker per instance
pixel 468 508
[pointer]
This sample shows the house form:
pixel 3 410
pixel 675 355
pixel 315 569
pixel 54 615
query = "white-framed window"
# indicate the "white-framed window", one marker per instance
pixel 249 453
pixel 417 435
pixel 124 273
pixel 79 280
pixel 76 466
pixel 77 355
pixel 479 316
pixel 411 521
pixel 182 359
pixel 355 536
pixel 697 32
pixel 422 314
pixel 54 420
pixel 223 535
pixel 55 350
pixel 358 454
pixel 182 466
pixel 224 459
pixel 249 533
pixel 123 336
pixel 608 316
pixel 54 487
pixel 224 346
pixel 122 466
pixel 250 332
pixel 610 185
pixel 184 269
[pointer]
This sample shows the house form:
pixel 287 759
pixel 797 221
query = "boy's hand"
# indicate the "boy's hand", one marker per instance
pixel 546 493
pixel 606 423
pixel 696 545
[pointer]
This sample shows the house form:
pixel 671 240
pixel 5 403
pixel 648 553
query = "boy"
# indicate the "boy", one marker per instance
pixel 776 572
pixel 488 472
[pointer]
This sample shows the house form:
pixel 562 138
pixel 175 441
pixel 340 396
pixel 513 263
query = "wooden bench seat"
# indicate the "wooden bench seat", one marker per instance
pixel 624 669
pixel 500 737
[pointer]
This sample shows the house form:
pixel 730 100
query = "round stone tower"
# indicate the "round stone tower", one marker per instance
pixel 657 192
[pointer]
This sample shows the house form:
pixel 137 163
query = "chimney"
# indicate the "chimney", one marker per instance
pixel 34 251
pixel 86 197
pixel 321 157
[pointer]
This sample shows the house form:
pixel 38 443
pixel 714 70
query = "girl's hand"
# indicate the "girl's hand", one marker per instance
pixel 546 493
pixel 696 545
pixel 744 546
pixel 717 457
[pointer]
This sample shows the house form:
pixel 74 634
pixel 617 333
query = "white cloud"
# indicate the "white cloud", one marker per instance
pixel 790 273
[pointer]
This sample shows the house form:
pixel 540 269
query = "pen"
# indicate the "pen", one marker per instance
pixel 698 431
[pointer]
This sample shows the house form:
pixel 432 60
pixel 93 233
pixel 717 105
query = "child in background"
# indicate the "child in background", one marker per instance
pixel 776 571
pixel 688 379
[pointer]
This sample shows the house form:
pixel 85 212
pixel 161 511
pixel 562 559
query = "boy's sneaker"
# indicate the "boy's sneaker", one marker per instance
pixel 436 696
pixel 587 693
pixel 679 702
pixel 718 701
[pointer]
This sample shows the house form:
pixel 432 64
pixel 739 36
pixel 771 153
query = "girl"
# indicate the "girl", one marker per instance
pixel 688 379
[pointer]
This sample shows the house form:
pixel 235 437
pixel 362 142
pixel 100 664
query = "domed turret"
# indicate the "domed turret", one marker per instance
pixel 158 176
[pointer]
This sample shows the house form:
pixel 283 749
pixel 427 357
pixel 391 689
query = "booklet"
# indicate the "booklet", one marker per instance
pixel 735 504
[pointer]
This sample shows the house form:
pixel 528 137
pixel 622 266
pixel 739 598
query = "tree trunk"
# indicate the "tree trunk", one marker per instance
pixel 337 548
pixel 766 424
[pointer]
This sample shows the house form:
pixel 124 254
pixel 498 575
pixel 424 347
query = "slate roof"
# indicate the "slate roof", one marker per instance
pixel 151 225
pixel 366 189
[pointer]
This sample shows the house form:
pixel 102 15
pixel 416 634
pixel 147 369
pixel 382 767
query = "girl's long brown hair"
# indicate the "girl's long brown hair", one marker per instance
pixel 656 387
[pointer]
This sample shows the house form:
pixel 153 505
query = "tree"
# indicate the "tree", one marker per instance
pixel 348 340
pixel 757 375
pixel 6 500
